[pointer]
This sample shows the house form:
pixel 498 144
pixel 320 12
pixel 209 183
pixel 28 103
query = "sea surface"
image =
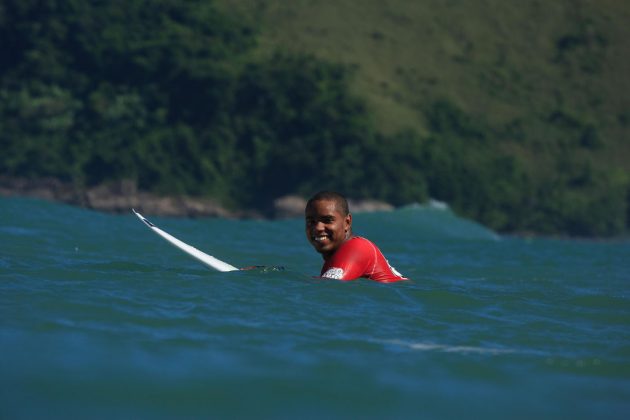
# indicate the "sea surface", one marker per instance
pixel 101 318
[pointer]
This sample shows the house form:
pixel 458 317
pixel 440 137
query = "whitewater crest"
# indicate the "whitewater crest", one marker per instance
pixel 420 346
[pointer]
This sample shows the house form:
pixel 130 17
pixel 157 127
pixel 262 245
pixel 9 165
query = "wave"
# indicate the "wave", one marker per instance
pixel 434 220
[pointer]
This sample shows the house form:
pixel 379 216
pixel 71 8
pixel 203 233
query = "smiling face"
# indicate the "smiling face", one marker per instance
pixel 326 226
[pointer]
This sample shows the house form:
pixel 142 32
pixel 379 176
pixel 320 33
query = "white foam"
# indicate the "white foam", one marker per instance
pixel 446 348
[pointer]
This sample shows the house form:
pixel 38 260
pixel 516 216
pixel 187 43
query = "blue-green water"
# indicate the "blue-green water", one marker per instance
pixel 101 318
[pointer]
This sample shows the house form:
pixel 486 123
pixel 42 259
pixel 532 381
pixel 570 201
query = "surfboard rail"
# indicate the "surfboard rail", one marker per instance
pixel 201 256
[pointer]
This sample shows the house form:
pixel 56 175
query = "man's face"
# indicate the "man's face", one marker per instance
pixel 326 227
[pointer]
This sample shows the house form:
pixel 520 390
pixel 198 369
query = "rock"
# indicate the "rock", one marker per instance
pixel 289 206
pixel 114 197
pixel 368 206
pixel 122 196
pixel 293 206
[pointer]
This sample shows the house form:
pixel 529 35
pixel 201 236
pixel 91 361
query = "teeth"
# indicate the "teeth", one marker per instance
pixel 320 238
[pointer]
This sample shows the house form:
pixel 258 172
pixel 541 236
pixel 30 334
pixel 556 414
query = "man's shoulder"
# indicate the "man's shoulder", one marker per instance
pixel 359 240
pixel 357 243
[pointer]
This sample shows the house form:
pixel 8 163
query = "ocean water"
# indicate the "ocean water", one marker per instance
pixel 101 318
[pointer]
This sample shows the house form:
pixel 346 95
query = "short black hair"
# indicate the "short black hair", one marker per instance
pixel 338 198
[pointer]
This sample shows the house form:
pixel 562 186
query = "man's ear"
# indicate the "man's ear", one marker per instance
pixel 348 222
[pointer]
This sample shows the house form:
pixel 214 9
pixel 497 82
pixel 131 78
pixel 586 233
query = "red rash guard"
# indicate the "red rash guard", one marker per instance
pixel 358 257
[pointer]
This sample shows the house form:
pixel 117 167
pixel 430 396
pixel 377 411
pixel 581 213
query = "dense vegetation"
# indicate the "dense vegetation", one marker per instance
pixel 195 98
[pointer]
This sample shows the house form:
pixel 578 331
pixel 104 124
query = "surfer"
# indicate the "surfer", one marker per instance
pixel 346 257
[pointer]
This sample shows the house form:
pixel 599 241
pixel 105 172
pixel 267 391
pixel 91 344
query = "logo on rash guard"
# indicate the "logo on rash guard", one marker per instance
pixel 333 273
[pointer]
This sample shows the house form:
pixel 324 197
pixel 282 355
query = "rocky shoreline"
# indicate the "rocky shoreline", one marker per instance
pixel 121 197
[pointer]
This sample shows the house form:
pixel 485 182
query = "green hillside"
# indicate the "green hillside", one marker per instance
pixel 546 82
pixel 515 113
pixel 527 67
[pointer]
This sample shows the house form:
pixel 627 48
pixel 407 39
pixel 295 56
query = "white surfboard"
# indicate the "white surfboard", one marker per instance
pixel 208 260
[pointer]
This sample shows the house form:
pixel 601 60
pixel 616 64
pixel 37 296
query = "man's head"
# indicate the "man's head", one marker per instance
pixel 328 221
